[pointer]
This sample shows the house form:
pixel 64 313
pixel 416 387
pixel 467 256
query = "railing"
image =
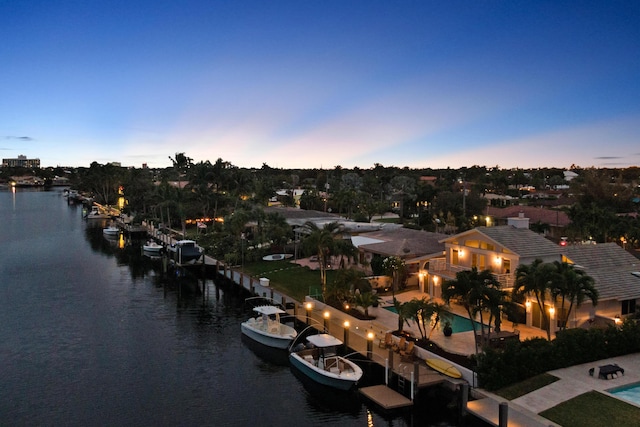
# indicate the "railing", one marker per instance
pixel 440 266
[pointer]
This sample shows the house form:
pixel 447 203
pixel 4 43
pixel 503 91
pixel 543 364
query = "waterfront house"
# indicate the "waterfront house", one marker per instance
pixel 616 273
pixel 502 249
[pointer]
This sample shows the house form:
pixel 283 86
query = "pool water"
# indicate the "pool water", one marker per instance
pixel 458 323
pixel 630 393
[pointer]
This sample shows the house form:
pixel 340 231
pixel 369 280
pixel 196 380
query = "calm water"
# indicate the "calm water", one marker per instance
pixel 629 392
pixel 458 323
pixel 92 334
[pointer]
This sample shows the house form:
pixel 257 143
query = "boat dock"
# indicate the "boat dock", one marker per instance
pixel 385 397
pixel 360 337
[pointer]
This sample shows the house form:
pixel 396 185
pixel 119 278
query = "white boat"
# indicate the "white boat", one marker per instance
pixel 185 251
pixel 320 362
pixel 96 214
pixel 111 230
pixel 267 328
pixel 152 247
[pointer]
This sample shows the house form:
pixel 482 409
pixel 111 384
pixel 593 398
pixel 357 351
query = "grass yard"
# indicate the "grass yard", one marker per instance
pixel 527 386
pixel 594 409
pixel 287 277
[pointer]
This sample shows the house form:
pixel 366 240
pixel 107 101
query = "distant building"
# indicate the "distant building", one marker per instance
pixel 21 162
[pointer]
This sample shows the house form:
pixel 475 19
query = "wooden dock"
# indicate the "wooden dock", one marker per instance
pixel 385 397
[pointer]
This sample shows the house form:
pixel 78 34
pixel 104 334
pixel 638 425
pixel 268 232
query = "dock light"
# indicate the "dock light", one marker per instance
pixel 308 306
pixel 370 337
pixel 326 315
pixel 346 325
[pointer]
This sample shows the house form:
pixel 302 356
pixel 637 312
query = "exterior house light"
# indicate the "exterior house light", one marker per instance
pixel 552 311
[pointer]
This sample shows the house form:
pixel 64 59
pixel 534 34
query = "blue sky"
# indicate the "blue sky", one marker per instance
pixel 319 84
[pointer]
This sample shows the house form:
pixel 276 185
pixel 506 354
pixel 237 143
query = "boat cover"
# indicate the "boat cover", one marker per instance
pixel 324 340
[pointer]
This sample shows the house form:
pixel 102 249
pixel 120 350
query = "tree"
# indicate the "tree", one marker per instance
pixel 395 267
pixel 366 300
pixel 535 279
pixel 425 313
pixel 469 288
pixel 322 242
pixel 574 286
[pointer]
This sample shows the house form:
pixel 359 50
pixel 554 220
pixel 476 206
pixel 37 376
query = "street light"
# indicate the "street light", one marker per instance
pixel 242 238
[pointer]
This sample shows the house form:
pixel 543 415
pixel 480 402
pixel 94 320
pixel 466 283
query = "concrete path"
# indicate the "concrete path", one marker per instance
pixel 576 380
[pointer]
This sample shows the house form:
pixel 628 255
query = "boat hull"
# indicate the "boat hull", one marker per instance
pixel 321 376
pixel 152 249
pixel 265 338
pixel 184 253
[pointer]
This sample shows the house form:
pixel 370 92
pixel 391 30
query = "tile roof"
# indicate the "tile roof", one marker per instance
pixel 404 242
pixel 610 266
pixel 521 241
pixel 552 217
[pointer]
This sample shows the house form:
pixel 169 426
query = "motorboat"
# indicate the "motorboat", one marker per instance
pixel 111 230
pixel 152 247
pixel 267 327
pixel 320 362
pixel 95 213
pixel 185 251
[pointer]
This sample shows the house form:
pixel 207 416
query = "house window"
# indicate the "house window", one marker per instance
pixel 478 261
pixel 628 306
pixel 454 257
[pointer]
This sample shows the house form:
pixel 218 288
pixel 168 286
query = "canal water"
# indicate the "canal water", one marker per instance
pixel 91 333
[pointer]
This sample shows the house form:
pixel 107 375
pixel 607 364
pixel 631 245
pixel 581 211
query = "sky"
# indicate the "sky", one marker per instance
pixel 320 84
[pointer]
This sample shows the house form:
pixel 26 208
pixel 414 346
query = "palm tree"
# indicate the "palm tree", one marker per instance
pixel 321 241
pixel 495 302
pixel 573 285
pixel 469 289
pixel 365 300
pixel 535 279
pixel 403 309
pixel 425 313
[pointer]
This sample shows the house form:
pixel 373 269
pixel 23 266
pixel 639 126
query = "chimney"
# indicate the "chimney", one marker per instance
pixel 519 222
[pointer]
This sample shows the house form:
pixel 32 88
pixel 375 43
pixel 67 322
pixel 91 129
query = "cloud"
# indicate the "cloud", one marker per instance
pixel 19 138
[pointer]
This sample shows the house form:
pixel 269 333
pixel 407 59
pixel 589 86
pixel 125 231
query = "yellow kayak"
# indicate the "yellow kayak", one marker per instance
pixel 444 367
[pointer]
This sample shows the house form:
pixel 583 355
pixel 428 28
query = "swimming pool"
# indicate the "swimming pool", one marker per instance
pixel 458 323
pixel 630 393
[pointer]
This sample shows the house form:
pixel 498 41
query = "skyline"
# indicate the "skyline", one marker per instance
pixel 322 84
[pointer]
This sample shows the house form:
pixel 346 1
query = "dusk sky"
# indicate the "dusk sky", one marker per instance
pixel 320 84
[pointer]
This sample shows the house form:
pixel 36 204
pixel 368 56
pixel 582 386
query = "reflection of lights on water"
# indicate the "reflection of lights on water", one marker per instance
pixel 369 418
pixel 121 241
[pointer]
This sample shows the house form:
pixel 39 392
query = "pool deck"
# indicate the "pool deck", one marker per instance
pixel 576 380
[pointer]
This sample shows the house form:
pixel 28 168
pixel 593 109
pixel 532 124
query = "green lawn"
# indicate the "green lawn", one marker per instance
pixel 594 409
pixel 287 277
pixel 527 386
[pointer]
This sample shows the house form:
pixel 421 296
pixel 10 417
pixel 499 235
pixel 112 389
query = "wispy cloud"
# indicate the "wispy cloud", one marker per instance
pixel 19 138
